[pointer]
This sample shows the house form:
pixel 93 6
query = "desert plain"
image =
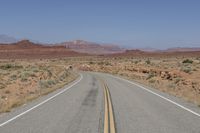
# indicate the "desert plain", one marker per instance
pixel 28 71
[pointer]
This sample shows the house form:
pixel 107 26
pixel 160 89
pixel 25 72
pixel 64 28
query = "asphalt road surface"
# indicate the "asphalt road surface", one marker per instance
pixel 79 108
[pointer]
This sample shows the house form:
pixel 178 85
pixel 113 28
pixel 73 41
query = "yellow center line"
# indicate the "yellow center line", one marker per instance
pixel 109 123
pixel 106 124
pixel 111 114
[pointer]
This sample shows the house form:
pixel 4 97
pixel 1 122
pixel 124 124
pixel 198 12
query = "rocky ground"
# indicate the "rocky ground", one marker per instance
pixel 179 76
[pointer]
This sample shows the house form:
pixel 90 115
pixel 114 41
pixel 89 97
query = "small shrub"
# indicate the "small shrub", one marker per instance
pixel 43 84
pixel 25 75
pixel 186 70
pixel 14 105
pixel 7 66
pixel 35 70
pixel 148 61
pixel 31 92
pixel 100 63
pixel 10 66
pixel 150 75
pixel 64 75
pixel 108 64
pixel 51 82
pixel 13 77
pixel 8 110
pixel 152 81
pixel 91 62
pixel 177 80
pixel 136 62
pixel 7 92
pixel 3 97
pixel 187 61
pixel 49 73
pixel 194 69
pixel 2 86
pixel 23 79
pixel 171 86
pixel 198 58
pixel 46 83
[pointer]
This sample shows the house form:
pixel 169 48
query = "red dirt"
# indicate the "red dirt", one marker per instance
pixel 142 54
pixel 28 50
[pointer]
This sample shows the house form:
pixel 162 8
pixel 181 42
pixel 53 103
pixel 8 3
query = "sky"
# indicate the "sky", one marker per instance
pixel 129 23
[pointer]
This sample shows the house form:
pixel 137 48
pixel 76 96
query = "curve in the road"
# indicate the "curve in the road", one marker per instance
pixel 154 93
pixel 45 101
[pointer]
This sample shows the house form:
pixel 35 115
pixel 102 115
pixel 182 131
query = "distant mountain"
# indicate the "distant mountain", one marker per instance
pixel 149 49
pixel 7 39
pixel 91 47
pixel 27 49
pixel 175 49
pixel 23 44
pixel 182 49
pixel 26 44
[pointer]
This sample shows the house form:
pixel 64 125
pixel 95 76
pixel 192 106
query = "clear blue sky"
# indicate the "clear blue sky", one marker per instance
pixel 134 23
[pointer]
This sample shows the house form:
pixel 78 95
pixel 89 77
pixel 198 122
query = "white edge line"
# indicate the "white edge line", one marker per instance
pixel 181 106
pixel 19 115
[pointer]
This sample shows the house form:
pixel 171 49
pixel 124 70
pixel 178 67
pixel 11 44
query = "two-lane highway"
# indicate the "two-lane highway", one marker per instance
pixel 77 110
pixel 137 110
pixel 81 109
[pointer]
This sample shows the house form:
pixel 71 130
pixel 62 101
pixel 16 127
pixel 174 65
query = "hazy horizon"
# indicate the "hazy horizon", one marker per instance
pixel 134 24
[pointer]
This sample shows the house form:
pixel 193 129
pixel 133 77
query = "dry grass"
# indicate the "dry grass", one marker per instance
pixel 23 80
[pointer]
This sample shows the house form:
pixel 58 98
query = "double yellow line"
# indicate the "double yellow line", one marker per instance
pixel 109 123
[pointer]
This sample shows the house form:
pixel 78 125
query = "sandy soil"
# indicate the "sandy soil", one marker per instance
pixel 24 80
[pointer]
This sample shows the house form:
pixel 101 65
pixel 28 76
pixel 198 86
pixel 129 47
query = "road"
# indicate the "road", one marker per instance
pixel 80 108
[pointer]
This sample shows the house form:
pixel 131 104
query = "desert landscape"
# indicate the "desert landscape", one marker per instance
pixel 29 70
pixel 178 76
pixel 100 66
pixel 24 80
